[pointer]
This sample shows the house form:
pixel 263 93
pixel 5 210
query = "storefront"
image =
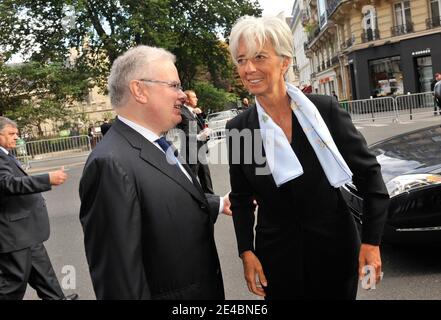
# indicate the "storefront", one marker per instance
pixel 395 68
pixel 327 83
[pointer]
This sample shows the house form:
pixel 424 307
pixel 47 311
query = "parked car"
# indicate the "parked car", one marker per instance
pixel 217 121
pixel 411 169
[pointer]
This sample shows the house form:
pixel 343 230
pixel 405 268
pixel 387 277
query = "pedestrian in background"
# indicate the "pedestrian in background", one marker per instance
pixel 105 126
pixel 245 103
pixel 436 88
pixel 197 135
pixel 24 225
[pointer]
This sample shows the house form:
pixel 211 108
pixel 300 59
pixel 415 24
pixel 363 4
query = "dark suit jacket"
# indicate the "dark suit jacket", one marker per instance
pixel 105 127
pixel 148 231
pixel 304 227
pixel 191 126
pixel 24 219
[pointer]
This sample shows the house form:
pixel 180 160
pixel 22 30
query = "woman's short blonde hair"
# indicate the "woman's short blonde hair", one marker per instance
pixel 255 31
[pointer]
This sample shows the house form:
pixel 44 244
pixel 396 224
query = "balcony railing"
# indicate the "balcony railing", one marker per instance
pixel 331 5
pixel 370 35
pixel 402 29
pixel 435 22
pixel 348 43
pixel 334 60
pixel 305 46
pixel 313 34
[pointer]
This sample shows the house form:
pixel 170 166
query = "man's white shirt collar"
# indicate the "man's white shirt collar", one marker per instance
pixel 4 150
pixel 146 133
pixel 150 136
pixel 191 110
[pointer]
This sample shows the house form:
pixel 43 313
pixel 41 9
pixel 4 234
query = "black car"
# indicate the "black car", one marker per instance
pixel 411 169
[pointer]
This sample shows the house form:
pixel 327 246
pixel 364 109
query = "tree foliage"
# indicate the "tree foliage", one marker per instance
pixel 45 30
pixel 32 93
pixel 212 99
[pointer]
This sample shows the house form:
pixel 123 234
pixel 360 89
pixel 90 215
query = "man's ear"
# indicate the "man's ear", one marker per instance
pixel 139 91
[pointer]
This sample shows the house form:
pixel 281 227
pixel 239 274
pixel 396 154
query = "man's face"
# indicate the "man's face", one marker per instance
pixel 8 137
pixel 165 101
pixel 192 99
pixel 438 77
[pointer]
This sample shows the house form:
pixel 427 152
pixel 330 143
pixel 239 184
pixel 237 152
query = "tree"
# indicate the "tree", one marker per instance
pixel 189 28
pixel 31 93
pixel 213 99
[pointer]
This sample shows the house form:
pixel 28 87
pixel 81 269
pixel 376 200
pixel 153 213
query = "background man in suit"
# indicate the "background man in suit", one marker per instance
pixel 437 103
pixel 245 103
pixel 24 225
pixel 148 226
pixel 105 126
pixel 195 151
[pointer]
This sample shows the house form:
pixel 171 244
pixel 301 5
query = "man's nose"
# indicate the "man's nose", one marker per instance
pixel 182 95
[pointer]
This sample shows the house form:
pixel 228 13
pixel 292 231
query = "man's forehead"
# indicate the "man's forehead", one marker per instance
pixel 10 128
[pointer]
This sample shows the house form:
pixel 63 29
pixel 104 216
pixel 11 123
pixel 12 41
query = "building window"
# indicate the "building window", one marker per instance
pixel 369 24
pixel 435 10
pixel 403 18
pixel 386 77
pixel 322 12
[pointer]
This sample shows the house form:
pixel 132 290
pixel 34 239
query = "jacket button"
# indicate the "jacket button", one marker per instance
pixel 203 207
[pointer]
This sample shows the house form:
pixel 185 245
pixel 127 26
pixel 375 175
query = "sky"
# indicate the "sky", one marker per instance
pixel 273 7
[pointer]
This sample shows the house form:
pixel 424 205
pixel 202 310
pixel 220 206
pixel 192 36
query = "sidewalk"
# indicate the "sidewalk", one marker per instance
pixel 55 164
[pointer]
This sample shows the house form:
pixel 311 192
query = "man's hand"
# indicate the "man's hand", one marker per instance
pixel 254 276
pixel 57 177
pixel 227 205
pixel 369 255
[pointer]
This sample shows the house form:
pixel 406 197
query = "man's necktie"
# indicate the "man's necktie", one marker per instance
pixel 168 149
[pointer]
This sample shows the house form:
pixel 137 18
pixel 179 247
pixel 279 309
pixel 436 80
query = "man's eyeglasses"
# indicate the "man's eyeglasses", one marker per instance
pixel 172 84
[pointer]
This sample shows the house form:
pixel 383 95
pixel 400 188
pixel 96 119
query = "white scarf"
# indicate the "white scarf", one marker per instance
pixel 281 158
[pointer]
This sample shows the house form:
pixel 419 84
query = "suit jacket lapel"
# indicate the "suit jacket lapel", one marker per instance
pixel 14 163
pixel 155 157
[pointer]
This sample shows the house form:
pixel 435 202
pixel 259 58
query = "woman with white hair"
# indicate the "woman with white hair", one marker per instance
pixel 306 242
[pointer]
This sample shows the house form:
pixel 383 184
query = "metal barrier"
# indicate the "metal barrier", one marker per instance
pixel 390 107
pixel 371 109
pixel 58 148
pixel 417 103
pixel 217 134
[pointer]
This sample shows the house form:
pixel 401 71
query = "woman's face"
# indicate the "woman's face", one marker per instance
pixel 262 74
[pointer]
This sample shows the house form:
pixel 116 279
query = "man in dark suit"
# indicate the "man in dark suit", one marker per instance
pixel 436 83
pixel 24 225
pixel 195 147
pixel 105 126
pixel 148 226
